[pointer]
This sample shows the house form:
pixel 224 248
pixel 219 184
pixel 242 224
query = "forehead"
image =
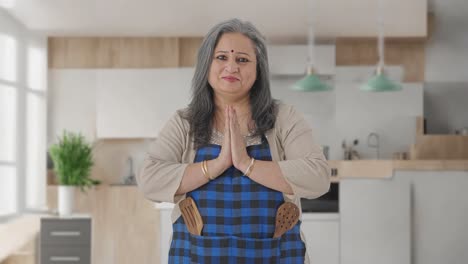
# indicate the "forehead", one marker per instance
pixel 235 41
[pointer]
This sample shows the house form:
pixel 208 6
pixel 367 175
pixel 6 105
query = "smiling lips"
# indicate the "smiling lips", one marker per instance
pixel 230 78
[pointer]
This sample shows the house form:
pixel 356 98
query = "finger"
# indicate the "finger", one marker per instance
pixel 226 119
pixel 231 116
pixel 234 118
pixel 227 135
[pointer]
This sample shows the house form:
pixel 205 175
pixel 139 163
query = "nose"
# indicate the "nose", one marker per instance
pixel 231 66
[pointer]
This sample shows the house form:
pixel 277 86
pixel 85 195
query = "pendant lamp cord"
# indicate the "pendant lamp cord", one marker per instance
pixel 381 40
pixel 311 39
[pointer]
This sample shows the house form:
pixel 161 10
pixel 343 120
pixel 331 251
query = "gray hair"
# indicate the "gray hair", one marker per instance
pixel 201 109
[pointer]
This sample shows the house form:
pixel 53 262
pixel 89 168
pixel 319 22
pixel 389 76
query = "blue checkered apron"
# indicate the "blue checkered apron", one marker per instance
pixel 239 220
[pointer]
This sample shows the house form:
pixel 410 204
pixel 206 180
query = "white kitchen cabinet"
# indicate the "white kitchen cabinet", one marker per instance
pixel 136 103
pixel 165 227
pixel 375 221
pixel 439 215
pixel 71 103
pixel 322 233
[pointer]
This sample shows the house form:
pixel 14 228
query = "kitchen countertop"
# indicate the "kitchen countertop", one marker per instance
pixel 386 168
pixel 121 185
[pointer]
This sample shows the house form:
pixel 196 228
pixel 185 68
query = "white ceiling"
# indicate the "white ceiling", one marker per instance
pixel 275 18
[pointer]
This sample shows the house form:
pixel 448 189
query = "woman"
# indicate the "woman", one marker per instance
pixel 238 153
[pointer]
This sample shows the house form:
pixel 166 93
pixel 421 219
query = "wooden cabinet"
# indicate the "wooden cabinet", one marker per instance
pixel 122 52
pixel 125 224
pixel 137 103
pixel 65 240
pixel 322 233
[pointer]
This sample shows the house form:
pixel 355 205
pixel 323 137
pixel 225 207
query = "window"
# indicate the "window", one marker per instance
pixel 23 93
pixel 8 57
pixel 35 151
pixel 8 206
pixel 8 126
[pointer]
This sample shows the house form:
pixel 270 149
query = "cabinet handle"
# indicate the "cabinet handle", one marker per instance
pixel 65 233
pixel 58 258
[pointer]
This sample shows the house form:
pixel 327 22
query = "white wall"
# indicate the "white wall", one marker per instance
pixel 447 50
pixel 348 113
pixel 445 107
pixel 446 86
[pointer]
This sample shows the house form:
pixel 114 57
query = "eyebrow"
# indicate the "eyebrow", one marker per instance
pixel 238 52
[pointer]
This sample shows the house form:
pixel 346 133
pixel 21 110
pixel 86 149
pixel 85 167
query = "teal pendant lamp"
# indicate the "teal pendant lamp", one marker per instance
pixel 311 82
pixel 380 82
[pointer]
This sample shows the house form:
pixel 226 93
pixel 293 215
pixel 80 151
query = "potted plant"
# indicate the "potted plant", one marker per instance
pixel 73 159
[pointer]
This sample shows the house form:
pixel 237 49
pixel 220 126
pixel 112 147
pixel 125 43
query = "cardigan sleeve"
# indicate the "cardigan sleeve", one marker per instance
pixel 303 166
pixel 162 170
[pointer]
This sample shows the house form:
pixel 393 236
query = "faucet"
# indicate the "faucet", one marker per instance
pixel 373 142
pixel 349 152
pixel 130 179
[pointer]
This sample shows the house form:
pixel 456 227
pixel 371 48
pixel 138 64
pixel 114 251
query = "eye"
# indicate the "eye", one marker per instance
pixel 243 60
pixel 221 57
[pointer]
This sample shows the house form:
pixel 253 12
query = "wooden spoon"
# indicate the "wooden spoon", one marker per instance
pixel 191 215
pixel 286 218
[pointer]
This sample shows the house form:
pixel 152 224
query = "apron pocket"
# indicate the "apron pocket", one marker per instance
pixel 254 250
pixel 231 249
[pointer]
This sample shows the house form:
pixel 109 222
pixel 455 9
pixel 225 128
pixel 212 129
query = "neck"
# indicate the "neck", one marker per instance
pixel 242 105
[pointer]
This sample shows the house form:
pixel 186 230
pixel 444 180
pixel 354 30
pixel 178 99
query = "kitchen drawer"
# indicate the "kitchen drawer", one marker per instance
pixel 66 232
pixel 65 255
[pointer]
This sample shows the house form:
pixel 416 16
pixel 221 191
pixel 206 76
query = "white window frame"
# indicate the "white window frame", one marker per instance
pixel 24 40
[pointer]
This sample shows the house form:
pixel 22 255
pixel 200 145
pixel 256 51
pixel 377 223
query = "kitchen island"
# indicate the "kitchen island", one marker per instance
pixel 411 211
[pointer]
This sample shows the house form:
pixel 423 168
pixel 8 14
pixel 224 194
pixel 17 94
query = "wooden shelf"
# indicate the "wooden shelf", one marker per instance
pixel 437 147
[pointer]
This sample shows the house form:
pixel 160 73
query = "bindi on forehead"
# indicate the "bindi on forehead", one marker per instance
pixel 232 51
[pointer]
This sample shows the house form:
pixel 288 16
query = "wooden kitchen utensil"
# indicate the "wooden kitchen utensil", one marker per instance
pixel 191 215
pixel 286 218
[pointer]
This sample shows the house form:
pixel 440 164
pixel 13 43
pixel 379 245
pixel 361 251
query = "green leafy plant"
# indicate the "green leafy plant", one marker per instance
pixel 73 159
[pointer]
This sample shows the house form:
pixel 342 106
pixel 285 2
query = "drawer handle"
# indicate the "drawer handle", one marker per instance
pixel 65 233
pixel 71 259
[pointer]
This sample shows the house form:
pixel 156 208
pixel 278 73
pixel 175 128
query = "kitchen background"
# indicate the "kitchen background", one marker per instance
pixel 119 89
pixel 342 114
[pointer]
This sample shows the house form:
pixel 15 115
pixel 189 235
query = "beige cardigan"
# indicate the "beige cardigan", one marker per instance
pixel 291 145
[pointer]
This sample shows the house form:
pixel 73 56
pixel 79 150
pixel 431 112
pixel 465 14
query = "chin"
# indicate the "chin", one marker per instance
pixel 230 88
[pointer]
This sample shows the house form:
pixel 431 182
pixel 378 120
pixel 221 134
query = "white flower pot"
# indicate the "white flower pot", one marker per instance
pixel 66 199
